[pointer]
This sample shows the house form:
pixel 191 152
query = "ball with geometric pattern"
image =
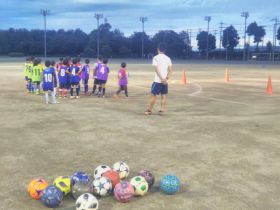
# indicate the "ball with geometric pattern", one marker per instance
pixel 102 186
pixel 79 176
pixel 81 187
pixel 170 184
pixel 99 170
pixel 63 183
pixel 124 191
pixel 35 188
pixel 52 196
pixel 140 185
pixel 87 202
pixel 122 168
pixel 148 176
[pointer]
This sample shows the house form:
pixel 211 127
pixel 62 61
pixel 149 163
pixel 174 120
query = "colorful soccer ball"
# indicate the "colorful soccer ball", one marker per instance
pixel 140 185
pixel 52 196
pixel 170 184
pixel 63 183
pixel 87 202
pixel 124 191
pixel 113 176
pixel 36 187
pixel 122 168
pixel 149 177
pixel 79 176
pixel 81 187
pixel 99 170
pixel 102 186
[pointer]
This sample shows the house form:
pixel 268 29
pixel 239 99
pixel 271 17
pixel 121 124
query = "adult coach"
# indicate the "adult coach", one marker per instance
pixel 163 70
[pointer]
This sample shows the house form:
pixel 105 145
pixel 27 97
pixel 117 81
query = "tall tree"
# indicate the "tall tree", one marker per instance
pixel 269 47
pixel 230 38
pixel 175 44
pixel 257 31
pixel 202 41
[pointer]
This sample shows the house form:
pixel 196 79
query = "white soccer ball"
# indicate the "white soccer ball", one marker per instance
pixel 87 202
pixel 102 186
pixel 99 170
pixel 140 185
pixel 122 168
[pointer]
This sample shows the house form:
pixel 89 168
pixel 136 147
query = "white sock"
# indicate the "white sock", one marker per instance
pixel 47 97
pixel 53 97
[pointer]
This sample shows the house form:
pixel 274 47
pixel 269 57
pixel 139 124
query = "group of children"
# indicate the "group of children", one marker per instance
pixel 67 75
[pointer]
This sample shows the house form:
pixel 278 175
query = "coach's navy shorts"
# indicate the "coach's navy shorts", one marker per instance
pixel 159 89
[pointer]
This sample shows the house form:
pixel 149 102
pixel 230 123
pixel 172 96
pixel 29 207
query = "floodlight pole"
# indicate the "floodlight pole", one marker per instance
pixel 143 20
pixel 274 37
pixel 98 16
pixel 208 19
pixel 45 12
pixel 245 15
pixel 221 29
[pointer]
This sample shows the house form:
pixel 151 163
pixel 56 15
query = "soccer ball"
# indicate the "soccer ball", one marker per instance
pixel 52 196
pixel 113 176
pixel 102 186
pixel 79 176
pixel 63 183
pixel 99 170
pixel 140 185
pixel 124 191
pixel 122 168
pixel 87 202
pixel 170 184
pixel 81 187
pixel 36 187
pixel 149 177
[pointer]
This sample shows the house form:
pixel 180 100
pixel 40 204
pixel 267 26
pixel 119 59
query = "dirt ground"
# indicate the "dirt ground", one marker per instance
pixel 221 139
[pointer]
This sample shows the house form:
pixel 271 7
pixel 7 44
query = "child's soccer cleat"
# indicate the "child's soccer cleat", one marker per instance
pixel 148 112
pixel 55 102
pixel 77 96
pixel 72 97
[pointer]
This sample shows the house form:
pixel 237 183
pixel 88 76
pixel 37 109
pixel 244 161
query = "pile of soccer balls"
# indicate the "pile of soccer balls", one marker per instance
pixel 106 182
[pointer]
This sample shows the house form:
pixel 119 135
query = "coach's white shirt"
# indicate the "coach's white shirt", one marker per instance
pixel 163 62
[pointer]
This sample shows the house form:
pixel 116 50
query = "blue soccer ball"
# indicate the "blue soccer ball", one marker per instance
pixel 52 196
pixel 79 176
pixel 170 184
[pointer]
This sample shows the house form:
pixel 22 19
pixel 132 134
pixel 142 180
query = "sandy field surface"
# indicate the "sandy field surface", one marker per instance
pixel 221 139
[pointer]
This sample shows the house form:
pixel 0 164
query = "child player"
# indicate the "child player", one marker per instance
pixel 102 77
pixel 36 76
pixel 52 66
pixel 96 66
pixel 49 78
pixel 74 72
pixel 122 76
pixel 27 70
pixel 85 75
pixel 59 64
pixel 63 79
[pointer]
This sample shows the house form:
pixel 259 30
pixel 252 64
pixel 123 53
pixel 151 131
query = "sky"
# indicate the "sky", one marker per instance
pixel 174 15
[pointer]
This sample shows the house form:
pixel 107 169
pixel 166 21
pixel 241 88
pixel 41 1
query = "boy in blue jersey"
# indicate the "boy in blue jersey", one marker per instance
pixel 49 80
pixel 52 66
pixel 63 79
pixel 74 72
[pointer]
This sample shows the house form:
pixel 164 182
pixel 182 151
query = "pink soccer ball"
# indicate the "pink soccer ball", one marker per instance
pixel 124 191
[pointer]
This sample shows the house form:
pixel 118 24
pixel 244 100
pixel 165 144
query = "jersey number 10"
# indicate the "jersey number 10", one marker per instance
pixel 48 77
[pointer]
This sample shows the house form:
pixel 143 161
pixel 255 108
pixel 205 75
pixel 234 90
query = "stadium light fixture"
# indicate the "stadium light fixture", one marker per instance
pixel 45 13
pixel 143 20
pixel 208 19
pixel 245 15
pixel 98 16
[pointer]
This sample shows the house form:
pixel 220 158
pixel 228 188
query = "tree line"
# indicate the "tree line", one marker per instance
pixel 113 43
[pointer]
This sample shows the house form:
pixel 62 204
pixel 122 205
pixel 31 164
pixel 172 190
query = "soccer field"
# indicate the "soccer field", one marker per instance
pixel 221 139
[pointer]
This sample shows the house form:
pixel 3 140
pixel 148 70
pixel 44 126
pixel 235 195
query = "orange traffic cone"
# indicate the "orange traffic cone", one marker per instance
pixel 184 78
pixel 226 75
pixel 269 86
